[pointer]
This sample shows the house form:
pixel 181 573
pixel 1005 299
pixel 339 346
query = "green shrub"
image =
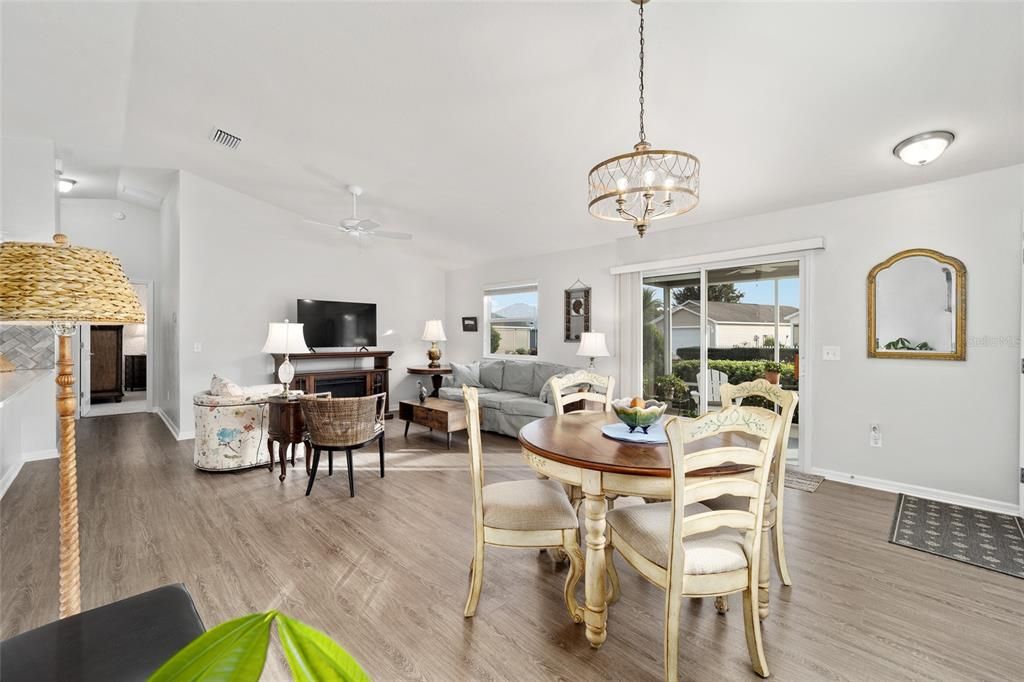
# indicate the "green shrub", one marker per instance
pixel 495 340
pixel 738 371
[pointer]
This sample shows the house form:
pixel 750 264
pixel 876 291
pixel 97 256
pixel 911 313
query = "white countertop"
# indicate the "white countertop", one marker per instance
pixel 13 383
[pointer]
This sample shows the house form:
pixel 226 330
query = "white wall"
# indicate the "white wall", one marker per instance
pixel 29 195
pixel 28 422
pixel 245 262
pixel 949 426
pixel 554 273
pixel 135 240
pixel 166 338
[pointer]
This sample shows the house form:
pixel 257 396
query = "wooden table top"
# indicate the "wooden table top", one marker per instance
pixel 439 404
pixel 576 439
pixel 429 370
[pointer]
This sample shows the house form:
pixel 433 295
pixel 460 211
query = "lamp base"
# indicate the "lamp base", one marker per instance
pixel 434 356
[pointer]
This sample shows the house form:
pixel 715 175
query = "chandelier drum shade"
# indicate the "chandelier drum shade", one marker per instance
pixel 646 184
pixel 62 285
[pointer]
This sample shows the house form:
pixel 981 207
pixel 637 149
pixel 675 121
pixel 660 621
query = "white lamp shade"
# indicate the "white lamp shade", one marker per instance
pixel 433 331
pixel 592 345
pixel 285 337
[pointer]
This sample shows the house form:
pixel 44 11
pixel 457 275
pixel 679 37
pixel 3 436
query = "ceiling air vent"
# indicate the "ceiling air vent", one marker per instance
pixel 225 138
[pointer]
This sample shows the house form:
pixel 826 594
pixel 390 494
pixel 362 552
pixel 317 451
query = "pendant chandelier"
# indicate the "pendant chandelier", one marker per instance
pixel 645 184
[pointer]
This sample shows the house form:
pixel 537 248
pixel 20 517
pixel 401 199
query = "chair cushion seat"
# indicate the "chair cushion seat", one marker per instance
pixel 647 529
pixel 532 504
pixel 527 407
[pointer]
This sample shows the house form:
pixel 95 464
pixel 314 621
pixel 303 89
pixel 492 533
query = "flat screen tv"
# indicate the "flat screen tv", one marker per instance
pixel 338 324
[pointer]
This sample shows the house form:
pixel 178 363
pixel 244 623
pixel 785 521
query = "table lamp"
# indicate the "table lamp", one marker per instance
pixel 284 338
pixel 592 346
pixel 63 286
pixel 433 331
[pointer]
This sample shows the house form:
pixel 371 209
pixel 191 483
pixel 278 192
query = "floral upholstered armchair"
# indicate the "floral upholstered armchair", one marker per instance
pixel 231 430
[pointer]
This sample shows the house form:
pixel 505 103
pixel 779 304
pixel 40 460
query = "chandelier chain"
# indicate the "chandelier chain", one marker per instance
pixel 643 136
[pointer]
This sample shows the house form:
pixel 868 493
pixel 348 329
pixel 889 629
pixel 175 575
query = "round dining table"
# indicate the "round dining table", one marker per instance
pixel 571 448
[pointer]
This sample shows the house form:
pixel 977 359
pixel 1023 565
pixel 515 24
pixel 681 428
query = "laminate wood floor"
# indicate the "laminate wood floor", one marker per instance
pixel 385 573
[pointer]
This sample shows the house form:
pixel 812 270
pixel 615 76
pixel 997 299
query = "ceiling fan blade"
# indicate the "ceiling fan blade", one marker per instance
pixel 317 222
pixel 367 225
pixel 390 235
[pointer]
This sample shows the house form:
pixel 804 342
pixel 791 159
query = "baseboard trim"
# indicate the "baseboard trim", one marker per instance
pixel 919 491
pixel 11 475
pixel 171 426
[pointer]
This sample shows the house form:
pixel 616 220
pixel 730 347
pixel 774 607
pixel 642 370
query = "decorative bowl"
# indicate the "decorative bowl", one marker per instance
pixel 638 417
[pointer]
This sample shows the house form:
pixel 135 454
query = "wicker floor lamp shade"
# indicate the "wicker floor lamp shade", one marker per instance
pixel 62 285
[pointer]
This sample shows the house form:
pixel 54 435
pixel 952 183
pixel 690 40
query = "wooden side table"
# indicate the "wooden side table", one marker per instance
pixel 287 427
pixel 436 375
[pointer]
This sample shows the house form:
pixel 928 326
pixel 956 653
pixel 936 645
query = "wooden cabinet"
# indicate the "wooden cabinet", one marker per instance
pixel 135 372
pixel 106 366
pixel 342 383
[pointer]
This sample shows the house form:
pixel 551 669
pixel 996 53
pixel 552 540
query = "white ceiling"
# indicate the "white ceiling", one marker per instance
pixel 473 125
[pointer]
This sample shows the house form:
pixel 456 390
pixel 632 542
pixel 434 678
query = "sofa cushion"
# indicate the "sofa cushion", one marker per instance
pixel 496 398
pixel 455 392
pixel 527 407
pixel 542 371
pixel 518 377
pixel 466 375
pixel 491 372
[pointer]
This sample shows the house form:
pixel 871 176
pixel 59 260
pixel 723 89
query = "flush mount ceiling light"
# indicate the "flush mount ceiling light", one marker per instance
pixel 645 184
pixel 923 148
pixel 65 185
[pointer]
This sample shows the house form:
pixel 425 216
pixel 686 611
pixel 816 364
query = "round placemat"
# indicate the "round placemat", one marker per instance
pixel 654 436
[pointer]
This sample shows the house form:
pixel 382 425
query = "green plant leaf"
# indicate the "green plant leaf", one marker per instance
pixel 313 656
pixel 235 650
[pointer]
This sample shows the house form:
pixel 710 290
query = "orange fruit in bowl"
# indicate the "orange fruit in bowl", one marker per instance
pixel 637 402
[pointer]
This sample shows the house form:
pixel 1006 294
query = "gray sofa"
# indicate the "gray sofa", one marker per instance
pixel 513 393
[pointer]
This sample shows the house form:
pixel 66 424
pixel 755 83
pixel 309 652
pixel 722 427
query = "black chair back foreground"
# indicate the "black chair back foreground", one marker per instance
pixel 126 640
pixel 343 424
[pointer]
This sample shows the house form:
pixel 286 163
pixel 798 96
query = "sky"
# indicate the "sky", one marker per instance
pixel 764 292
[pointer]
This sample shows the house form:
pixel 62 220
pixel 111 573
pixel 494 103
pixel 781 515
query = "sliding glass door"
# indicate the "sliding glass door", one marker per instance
pixel 728 324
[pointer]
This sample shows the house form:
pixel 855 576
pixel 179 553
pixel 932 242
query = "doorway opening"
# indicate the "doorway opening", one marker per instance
pixel 705 327
pixel 113 365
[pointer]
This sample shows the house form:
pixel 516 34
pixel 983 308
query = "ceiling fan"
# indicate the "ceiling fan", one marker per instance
pixel 360 227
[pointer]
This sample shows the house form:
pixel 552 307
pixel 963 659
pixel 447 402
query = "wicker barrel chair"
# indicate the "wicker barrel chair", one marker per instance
pixel 343 424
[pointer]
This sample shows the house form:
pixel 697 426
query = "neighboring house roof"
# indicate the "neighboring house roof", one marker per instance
pixel 688 314
pixel 516 311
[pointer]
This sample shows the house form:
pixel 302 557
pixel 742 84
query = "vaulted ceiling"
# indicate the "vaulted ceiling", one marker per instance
pixel 473 125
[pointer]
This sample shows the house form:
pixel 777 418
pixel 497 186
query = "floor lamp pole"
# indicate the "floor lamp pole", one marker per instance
pixel 70 574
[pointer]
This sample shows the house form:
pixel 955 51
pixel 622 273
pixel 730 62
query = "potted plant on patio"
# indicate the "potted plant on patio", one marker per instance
pixel 772 372
pixel 668 386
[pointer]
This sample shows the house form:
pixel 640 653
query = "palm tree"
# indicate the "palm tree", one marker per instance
pixel 654 339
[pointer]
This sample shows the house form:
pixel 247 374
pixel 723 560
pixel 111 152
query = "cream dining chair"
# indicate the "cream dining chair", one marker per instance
pixel 558 386
pixel 786 402
pixel 579 378
pixel 531 513
pixel 690 550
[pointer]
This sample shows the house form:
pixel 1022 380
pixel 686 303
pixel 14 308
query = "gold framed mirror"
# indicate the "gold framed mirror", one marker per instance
pixel 917 307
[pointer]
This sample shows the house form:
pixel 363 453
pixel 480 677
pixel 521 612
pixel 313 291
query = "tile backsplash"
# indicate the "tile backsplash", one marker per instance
pixel 27 346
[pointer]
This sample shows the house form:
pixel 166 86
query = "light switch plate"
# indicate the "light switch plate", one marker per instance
pixel 197 348
pixel 830 352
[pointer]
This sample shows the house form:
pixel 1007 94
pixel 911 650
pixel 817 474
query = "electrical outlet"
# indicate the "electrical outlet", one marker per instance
pixel 830 352
pixel 875 436
pixel 197 347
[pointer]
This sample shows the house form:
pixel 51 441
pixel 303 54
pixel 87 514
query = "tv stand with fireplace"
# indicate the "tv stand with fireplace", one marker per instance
pixel 341 382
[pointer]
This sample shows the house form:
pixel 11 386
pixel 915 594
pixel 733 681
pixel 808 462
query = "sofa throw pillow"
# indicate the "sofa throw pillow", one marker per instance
pixel 224 387
pixel 518 377
pixel 491 373
pixel 466 375
pixel 545 393
pixel 542 371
